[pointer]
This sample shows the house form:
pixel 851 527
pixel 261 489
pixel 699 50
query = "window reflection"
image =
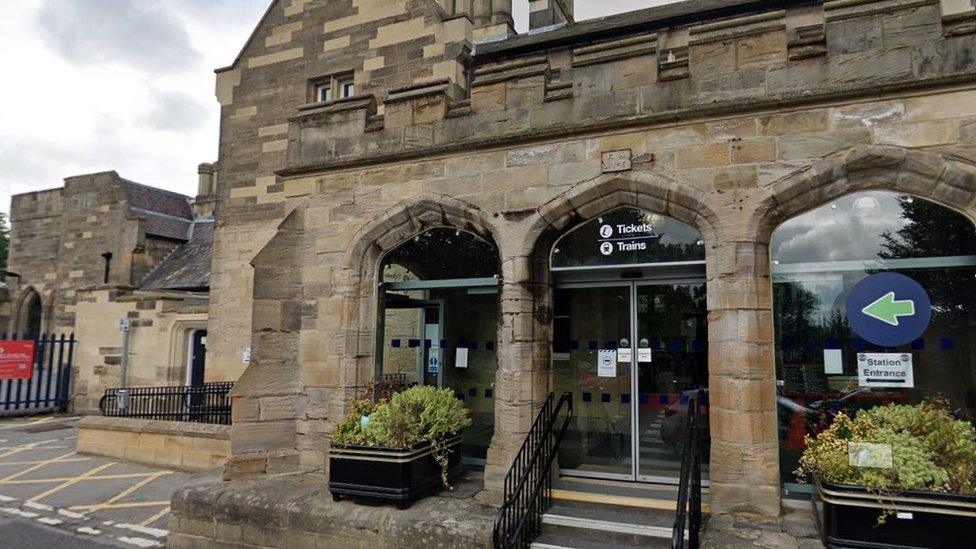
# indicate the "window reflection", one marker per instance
pixel 818 258
pixel 438 323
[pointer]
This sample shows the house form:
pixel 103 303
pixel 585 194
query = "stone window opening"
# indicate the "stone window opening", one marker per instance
pixel 437 323
pixel 819 261
pixel 333 87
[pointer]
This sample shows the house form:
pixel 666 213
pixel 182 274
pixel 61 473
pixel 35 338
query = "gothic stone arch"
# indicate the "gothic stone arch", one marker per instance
pixel 525 338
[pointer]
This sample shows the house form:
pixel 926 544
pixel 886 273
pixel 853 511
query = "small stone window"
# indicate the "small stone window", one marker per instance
pixel 331 88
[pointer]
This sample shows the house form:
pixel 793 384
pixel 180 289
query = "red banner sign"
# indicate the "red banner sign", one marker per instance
pixel 16 359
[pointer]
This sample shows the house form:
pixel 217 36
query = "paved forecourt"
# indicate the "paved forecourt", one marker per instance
pixel 43 480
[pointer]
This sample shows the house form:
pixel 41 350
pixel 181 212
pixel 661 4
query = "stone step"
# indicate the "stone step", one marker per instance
pixel 552 541
pixel 609 524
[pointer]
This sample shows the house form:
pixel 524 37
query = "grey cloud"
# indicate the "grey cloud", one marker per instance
pixel 139 33
pixel 176 111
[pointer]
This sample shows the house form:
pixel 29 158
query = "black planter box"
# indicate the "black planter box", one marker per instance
pixel 847 516
pixel 377 475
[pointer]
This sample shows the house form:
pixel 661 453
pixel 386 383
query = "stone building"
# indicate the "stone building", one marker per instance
pixel 103 248
pixel 692 190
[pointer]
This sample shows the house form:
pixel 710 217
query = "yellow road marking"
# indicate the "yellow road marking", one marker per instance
pixel 155 517
pixel 29 423
pixel 71 482
pixel 25 447
pixel 132 489
pixel 4 463
pixel 624 501
pixel 63 479
pixel 132 505
pixel 8 478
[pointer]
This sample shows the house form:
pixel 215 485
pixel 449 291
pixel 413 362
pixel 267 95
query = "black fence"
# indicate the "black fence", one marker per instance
pixel 48 389
pixel 206 403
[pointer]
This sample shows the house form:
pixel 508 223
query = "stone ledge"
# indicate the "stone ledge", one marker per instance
pixel 134 425
pixel 298 511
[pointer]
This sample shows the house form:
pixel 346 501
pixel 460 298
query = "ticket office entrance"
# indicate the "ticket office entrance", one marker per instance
pixel 630 344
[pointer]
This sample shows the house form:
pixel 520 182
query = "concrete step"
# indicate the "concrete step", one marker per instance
pixel 610 524
pixel 552 541
pixel 590 513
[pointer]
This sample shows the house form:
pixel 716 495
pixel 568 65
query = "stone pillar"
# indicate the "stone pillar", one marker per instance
pixel 545 13
pixel 205 185
pixel 744 469
pixel 524 362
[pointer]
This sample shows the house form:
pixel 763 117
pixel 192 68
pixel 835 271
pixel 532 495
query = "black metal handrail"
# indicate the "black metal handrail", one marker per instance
pixel 208 403
pixel 528 484
pixel 690 484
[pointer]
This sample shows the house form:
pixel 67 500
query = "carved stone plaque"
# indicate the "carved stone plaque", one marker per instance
pixel 617 161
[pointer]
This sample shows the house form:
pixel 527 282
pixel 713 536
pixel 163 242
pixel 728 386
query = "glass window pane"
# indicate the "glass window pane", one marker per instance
pixel 628 236
pixel 348 89
pixel 441 254
pixel 818 258
pixel 325 93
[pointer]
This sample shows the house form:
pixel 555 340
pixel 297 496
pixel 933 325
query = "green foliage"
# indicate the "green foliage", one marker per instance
pixel 931 450
pixel 419 414
pixel 4 244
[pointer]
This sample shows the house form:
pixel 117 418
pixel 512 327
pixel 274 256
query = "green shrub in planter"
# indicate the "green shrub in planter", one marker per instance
pixel 931 451
pixel 398 450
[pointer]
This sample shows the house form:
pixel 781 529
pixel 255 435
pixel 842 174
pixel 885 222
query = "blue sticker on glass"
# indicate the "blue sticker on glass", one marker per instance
pixel 611 345
pixel 395 343
pixel 889 309
pixel 605 397
pixel 587 397
pixel 489 393
pixel 574 345
pixel 445 344
pixel 593 345
pixel 948 345
pixel 645 398
pixel 414 343
pixel 624 398
pixel 472 392
pixel 428 344
pixel 832 343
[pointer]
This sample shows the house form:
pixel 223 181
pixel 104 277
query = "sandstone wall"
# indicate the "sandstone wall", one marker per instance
pixel 732 125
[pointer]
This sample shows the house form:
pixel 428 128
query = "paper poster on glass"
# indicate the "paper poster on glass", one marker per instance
pixel 606 363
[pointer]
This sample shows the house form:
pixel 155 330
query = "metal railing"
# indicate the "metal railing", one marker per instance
pixel 206 403
pixel 528 484
pixel 47 387
pixel 689 508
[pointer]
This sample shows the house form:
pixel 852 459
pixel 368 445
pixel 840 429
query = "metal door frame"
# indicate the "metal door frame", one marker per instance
pixel 632 285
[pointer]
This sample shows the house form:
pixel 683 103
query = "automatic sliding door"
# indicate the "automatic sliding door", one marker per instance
pixel 672 365
pixel 591 326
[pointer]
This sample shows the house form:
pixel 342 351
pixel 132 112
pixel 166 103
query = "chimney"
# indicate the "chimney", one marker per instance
pixel 492 19
pixel 547 13
pixel 205 186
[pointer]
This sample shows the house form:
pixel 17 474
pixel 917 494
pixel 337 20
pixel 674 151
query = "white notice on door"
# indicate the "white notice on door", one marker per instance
pixel 644 355
pixel 625 355
pixel 833 361
pixel 461 357
pixel 885 370
pixel 606 364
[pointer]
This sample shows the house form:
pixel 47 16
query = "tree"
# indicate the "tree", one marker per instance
pixel 4 245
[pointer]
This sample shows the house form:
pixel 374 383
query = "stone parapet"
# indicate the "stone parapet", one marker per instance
pixel 298 511
pixel 167 444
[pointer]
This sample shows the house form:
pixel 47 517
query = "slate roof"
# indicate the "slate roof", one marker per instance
pixel 188 267
pixel 167 214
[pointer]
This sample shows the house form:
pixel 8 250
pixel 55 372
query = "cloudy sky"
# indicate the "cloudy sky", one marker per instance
pixel 127 85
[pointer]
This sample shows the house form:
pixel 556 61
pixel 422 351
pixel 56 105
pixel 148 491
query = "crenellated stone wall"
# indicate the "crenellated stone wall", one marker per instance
pixel 733 119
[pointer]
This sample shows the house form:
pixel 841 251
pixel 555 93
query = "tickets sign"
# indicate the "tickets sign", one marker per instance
pixel 17 359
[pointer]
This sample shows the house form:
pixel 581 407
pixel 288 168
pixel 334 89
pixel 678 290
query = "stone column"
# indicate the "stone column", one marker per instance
pixel 745 449
pixel 524 362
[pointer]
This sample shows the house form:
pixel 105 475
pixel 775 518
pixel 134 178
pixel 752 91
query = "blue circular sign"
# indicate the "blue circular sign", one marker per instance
pixel 889 309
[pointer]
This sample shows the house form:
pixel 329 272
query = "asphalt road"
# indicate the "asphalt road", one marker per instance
pixel 51 496
pixel 24 534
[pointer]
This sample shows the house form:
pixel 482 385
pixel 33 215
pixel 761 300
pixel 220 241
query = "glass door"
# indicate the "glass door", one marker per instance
pixel 632 354
pixel 672 365
pixel 592 348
